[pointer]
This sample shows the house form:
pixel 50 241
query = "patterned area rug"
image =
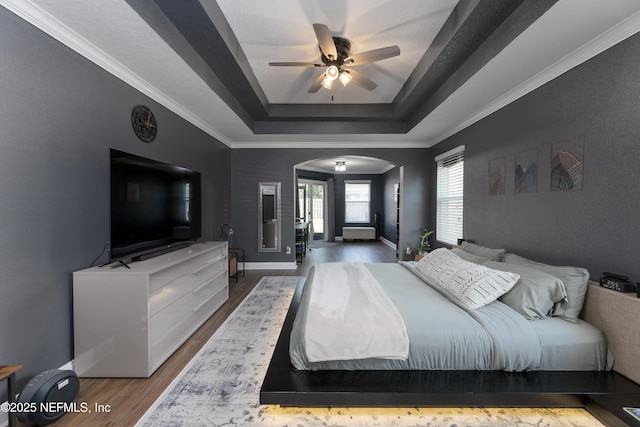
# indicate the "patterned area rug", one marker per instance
pixel 221 384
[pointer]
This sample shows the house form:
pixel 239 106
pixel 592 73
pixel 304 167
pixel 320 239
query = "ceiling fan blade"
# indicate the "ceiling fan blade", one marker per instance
pixel 361 80
pixel 295 64
pixel 316 85
pixel 325 40
pixel 373 55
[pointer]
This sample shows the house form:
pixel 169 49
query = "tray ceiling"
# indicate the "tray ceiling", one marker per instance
pixel 265 34
pixel 208 60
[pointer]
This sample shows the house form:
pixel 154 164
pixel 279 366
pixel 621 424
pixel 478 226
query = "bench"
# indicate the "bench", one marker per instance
pixel 358 233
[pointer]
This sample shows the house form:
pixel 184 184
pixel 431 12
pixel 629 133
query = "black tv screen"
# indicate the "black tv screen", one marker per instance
pixel 155 206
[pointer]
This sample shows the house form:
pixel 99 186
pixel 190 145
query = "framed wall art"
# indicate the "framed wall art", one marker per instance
pixel 526 172
pixel 567 164
pixel 497 176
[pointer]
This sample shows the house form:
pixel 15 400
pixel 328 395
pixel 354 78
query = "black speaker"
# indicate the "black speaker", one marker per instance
pixel 48 396
pixel 638 289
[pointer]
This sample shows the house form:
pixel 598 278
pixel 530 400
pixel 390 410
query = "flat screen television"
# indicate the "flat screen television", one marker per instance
pixel 155 207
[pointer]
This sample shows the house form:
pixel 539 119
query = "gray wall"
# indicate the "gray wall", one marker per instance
pixel 597 227
pixel 391 178
pixel 59 115
pixel 250 166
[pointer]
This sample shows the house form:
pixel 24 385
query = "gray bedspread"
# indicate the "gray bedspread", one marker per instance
pixel 444 335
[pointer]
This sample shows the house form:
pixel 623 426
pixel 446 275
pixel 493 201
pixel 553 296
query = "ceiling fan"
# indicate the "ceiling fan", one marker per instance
pixel 336 57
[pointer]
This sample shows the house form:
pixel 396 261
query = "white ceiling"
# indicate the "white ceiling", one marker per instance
pixel 281 30
pixel 354 164
pixel 111 34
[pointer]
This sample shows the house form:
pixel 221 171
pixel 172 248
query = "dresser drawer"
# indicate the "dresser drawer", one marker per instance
pixel 194 266
pixel 209 305
pixel 172 326
pixel 172 292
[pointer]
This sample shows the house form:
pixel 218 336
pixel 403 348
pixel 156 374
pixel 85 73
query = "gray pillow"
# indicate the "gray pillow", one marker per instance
pixel 492 254
pixel 575 279
pixel 534 294
pixel 467 256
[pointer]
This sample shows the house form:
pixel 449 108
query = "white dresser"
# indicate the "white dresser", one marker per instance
pixel 127 322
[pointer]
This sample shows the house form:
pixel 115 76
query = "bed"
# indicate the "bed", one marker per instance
pixel 443 334
pixel 558 359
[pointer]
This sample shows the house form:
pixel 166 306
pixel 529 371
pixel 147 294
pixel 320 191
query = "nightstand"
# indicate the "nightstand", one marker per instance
pixel 234 253
pixel 8 372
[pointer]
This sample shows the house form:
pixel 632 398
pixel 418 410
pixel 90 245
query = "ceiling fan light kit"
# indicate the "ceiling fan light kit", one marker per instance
pixel 335 53
pixel 330 76
pixel 345 78
pixel 332 72
pixel 327 82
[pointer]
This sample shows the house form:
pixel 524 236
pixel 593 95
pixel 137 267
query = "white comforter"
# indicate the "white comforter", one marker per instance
pixel 352 317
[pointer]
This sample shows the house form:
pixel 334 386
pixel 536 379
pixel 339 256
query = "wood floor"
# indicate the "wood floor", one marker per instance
pixel 125 400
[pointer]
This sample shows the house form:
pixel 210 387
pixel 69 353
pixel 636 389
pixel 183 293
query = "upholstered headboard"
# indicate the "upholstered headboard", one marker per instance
pixel 618 316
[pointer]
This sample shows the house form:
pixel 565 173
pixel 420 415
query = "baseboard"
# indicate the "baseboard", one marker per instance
pixel 270 266
pixel 388 243
pixel 69 366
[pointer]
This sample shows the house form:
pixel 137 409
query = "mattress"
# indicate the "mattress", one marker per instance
pixel 568 346
pixel 446 336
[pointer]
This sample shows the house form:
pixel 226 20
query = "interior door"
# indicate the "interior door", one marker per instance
pixel 312 202
pixel 301 203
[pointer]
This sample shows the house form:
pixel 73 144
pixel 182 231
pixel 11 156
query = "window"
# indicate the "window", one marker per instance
pixel 356 200
pixel 187 202
pixel 450 195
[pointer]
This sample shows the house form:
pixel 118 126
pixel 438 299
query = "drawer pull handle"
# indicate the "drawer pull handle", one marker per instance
pixel 204 285
pixel 203 304
pixel 207 265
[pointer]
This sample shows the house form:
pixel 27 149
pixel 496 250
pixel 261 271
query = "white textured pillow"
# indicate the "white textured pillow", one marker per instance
pixel 473 285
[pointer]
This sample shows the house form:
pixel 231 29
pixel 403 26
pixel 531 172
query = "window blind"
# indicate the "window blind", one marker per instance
pixel 357 195
pixel 450 196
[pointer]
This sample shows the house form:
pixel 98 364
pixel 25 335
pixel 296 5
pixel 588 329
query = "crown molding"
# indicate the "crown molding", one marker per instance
pixel 347 172
pixel 604 41
pixel 330 144
pixel 44 21
pixel 47 23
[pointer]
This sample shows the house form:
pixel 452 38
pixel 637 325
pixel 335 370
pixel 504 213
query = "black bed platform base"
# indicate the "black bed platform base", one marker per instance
pixel 603 394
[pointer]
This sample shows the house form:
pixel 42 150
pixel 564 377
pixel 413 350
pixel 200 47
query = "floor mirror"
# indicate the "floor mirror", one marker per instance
pixel 269 217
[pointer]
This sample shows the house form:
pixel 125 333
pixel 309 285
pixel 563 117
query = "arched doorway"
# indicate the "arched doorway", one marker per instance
pixel 320 195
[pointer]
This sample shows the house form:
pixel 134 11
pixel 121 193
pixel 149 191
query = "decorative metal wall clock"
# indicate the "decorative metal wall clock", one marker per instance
pixel 144 123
